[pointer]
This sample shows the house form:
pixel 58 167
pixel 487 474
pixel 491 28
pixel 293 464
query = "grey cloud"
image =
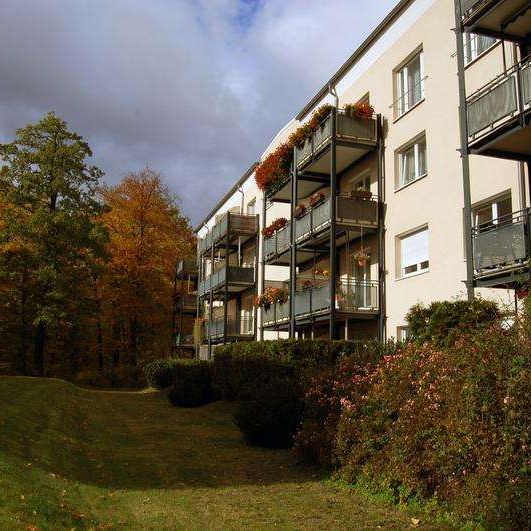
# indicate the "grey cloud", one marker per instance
pixel 196 89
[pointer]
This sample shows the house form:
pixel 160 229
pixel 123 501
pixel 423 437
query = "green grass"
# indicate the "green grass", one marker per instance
pixel 76 458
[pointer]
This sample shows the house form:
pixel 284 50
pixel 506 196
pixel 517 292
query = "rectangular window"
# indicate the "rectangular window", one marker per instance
pixel 251 207
pixel 412 163
pixel 491 213
pixel 410 84
pixel 402 333
pixel 414 256
pixel 475 45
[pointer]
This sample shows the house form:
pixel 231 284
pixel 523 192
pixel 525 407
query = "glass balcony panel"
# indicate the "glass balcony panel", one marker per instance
pixel 304 152
pixel 321 214
pixel 303 226
pixel 359 128
pixel 526 83
pixel 302 302
pixel 268 316
pixel 241 275
pixel 323 134
pixel 355 295
pixel 355 210
pixel 321 298
pixel 270 246
pixel 283 238
pixel 501 245
pixel 492 106
pixel 467 5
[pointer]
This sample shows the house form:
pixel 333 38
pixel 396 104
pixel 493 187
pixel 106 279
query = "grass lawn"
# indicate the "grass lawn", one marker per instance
pixel 76 458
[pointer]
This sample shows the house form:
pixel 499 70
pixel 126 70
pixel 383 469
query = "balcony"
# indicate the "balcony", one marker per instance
pixel 235 328
pixel 352 213
pixel 184 340
pixel 501 250
pixel 186 303
pixel 186 268
pixel 237 278
pixel 234 226
pixel 499 115
pixel 354 138
pixel 277 246
pixel 353 298
pixel 510 18
pixel 277 314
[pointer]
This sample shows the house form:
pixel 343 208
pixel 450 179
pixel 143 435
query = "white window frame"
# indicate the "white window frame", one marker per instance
pixel 471 48
pixel 402 86
pixel 420 270
pixel 420 139
pixel 251 203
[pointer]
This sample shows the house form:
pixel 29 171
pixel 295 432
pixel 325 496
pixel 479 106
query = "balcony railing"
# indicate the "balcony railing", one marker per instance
pixel 277 313
pixel 353 129
pixel 235 327
pixel 278 243
pixel 351 296
pixel 349 211
pixel 239 224
pixel 184 340
pixel 186 266
pixel 187 302
pixel 500 100
pixel 502 243
pixel 237 275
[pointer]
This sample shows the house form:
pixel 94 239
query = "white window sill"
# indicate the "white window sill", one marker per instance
pixel 410 183
pixel 416 274
pixel 409 110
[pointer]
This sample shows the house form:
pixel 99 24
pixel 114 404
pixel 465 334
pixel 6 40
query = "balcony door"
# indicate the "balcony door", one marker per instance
pixel 361 283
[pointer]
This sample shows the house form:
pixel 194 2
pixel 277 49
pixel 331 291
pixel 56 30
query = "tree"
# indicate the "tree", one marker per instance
pixel 50 239
pixel 148 235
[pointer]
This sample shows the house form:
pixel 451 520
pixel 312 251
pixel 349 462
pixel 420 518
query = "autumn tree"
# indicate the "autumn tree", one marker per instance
pixel 50 241
pixel 148 235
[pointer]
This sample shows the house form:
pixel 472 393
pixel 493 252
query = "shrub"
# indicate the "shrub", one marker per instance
pixel 158 373
pixel 191 383
pixel 269 412
pixel 127 376
pixel 441 322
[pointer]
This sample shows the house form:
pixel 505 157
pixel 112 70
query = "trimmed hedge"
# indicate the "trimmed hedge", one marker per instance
pixel 441 322
pixel 158 373
pixel 191 383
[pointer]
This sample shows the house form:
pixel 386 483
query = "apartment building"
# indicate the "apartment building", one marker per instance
pixel 425 199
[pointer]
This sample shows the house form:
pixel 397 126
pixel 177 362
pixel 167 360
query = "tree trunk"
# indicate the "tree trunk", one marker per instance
pixel 40 341
pixel 133 340
pixel 99 339
pixel 23 343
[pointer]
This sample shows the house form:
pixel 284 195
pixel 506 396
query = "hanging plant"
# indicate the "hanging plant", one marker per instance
pixel 271 296
pixel 316 198
pixel 300 210
pixel 274 168
pixel 362 256
pixel 319 116
pixel 363 111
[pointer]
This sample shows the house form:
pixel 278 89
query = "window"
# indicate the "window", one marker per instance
pixel 475 45
pixel 493 212
pixel 361 183
pixel 412 162
pixel 414 256
pixel 402 333
pixel 251 207
pixel 410 84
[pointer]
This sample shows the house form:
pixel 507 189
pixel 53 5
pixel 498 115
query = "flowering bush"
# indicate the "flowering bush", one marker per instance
pixel 363 111
pixel 275 226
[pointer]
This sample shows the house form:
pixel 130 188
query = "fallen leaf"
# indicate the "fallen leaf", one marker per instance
pixel 415 521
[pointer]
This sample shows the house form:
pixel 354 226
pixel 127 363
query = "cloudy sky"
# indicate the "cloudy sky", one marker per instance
pixel 195 89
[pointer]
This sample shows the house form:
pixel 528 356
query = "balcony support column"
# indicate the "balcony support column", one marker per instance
pixel 293 247
pixel 333 208
pixel 211 300
pixel 226 288
pixel 382 318
pixel 463 125
pixel 262 272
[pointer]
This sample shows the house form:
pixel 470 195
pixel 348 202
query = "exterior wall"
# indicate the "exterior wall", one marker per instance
pixel 436 200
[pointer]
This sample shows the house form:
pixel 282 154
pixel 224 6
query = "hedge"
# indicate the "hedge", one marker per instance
pixel 191 383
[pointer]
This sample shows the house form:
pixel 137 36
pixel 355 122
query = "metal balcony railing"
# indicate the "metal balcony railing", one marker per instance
pixel 240 275
pixel 349 210
pixel 186 302
pixel 235 326
pixel 502 243
pixel 239 224
pixel 184 339
pixel 351 296
pixel 354 129
pixel 278 243
pixel 499 101
pixel 277 313
pixel 186 266
pixel 469 5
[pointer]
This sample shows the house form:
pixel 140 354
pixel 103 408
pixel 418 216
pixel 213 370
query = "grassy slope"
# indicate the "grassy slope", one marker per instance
pixel 77 458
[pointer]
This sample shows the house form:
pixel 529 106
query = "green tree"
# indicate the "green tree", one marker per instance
pixel 50 239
